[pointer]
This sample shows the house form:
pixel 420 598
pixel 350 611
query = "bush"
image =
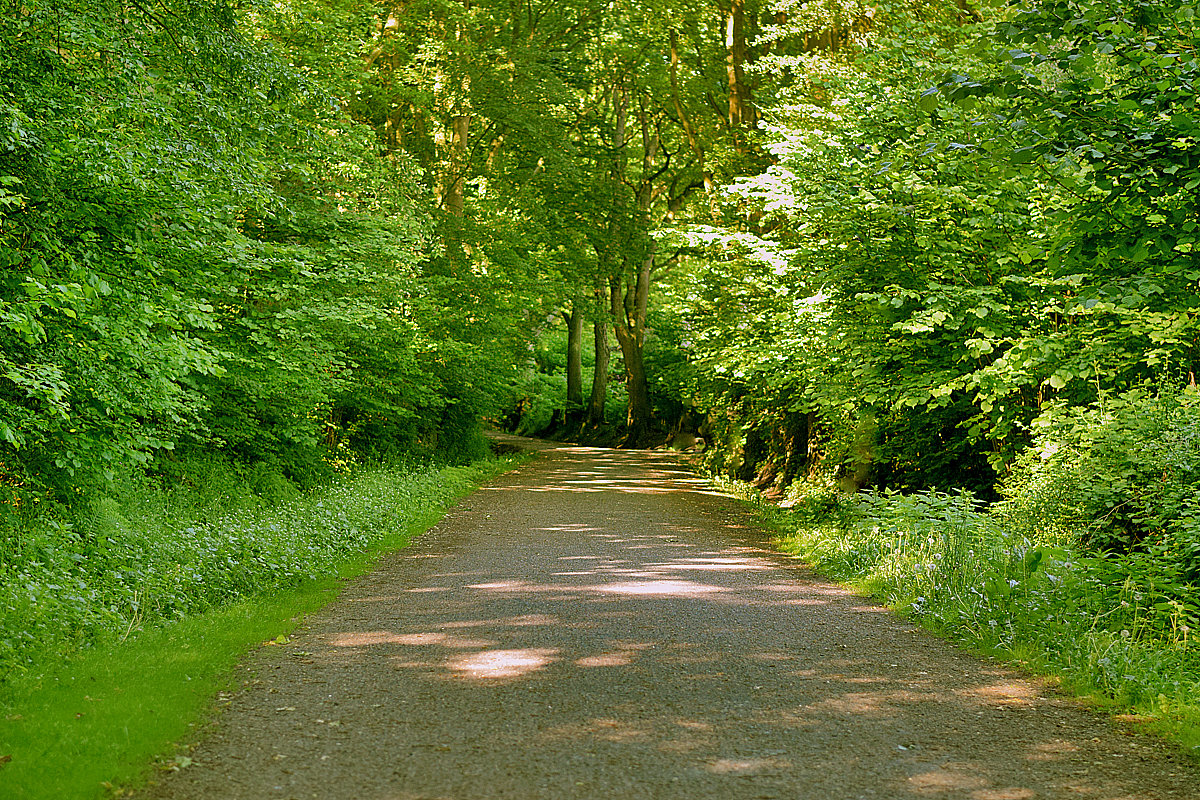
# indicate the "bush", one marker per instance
pixel 1124 475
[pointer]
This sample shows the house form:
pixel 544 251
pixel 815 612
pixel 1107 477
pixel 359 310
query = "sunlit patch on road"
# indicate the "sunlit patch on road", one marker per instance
pixel 1005 693
pixel 658 588
pixel 949 778
pixel 369 638
pixel 746 766
pixel 493 664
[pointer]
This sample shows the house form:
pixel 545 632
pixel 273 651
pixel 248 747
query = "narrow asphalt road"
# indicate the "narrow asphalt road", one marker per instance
pixel 599 624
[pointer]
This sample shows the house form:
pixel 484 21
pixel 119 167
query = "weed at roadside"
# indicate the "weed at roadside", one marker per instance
pixel 70 726
pixel 1116 628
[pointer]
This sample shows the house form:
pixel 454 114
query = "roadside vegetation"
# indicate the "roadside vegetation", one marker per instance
pixel 158 556
pixel 1050 577
pixel 113 651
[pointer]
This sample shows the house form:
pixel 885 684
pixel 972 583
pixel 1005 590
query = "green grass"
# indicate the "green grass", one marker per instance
pixel 1108 630
pixel 106 717
pixel 99 719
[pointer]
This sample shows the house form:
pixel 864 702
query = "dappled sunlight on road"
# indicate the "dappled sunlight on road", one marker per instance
pixel 570 528
pixel 657 474
pixel 497 664
pixel 663 588
pixel 683 577
pixel 717 565
pixel 369 638
pixel 613 628
pixel 949 778
pixel 1003 694
pixel 747 766
pixel 785 696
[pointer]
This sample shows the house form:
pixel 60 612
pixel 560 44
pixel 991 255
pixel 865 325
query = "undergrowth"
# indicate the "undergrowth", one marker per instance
pixel 124 666
pixel 1118 628
pixel 153 558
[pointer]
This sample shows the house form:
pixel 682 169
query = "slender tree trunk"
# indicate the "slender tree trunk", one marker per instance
pixel 690 130
pixel 629 309
pixel 629 323
pixel 735 46
pixel 607 280
pixel 574 411
pixel 454 180
pixel 595 409
pixel 451 184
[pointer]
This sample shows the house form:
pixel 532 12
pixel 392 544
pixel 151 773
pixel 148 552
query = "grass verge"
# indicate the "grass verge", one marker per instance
pixel 1104 629
pixel 91 725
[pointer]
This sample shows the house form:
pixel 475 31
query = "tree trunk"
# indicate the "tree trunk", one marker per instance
pixel 452 183
pixel 595 409
pixel 629 300
pixel 629 324
pixel 574 409
pixel 690 130
pixel 637 417
pixel 455 178
pixel 735 45
pixel 798 434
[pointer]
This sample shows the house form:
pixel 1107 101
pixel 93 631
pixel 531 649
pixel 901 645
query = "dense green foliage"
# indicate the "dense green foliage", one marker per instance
pixel 202 251
pixel 965 224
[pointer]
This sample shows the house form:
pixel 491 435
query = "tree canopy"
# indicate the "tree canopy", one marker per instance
pixel 891 241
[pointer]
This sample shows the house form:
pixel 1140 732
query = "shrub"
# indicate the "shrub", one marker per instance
pixel 1123 474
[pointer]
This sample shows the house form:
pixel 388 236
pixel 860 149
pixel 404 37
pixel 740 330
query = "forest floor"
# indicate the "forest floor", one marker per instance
pixel 599 624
